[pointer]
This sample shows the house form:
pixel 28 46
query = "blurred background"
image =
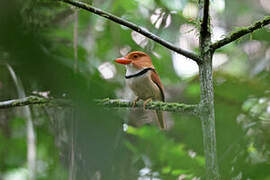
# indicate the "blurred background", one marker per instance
pixel 52 49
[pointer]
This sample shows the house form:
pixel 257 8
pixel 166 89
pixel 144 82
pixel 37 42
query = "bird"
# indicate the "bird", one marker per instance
pixel 143 80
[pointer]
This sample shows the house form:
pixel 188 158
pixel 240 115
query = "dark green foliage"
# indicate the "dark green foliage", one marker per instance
pixel 37 41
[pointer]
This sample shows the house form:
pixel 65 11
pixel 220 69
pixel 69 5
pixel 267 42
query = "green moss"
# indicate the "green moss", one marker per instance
pixel 156 105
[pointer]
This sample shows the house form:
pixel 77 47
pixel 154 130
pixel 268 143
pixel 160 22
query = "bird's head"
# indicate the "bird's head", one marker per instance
pixel 137 59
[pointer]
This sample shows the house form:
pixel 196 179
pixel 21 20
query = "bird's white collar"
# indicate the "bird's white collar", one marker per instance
pixel 131 70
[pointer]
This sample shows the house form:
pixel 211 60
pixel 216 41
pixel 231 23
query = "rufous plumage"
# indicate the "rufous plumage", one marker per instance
pixel 143 80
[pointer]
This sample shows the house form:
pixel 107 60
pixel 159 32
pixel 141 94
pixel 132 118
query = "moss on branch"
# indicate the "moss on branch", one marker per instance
pixel 155 105
pixel 111 103
pixel 241 32
pixel 32 100
pixel 24 102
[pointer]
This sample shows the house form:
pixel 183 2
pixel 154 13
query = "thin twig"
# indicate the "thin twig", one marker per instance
pixel 72 174
pixel 241 32
pixel 134 27
pixel 30 131
pixel 75 40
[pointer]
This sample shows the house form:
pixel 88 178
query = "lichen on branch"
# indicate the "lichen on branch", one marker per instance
pixel 111 103
pixel 154 105
pixel 32 100
pixel 240 33
pixel 23 102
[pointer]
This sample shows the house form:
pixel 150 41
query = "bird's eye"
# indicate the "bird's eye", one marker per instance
pixel 135 56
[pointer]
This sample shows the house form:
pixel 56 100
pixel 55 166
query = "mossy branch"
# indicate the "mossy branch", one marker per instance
pixel 31 100
pixel 134 27
pixel 154 105
pixel 112 103
pixel 23 102
pixel 241 32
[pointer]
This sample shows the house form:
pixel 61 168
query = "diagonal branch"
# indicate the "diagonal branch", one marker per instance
pixel 239 33
pixel 114 103
pixel 134 27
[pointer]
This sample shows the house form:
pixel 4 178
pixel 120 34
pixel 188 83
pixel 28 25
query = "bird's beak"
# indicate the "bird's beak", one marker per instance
pixel 123 60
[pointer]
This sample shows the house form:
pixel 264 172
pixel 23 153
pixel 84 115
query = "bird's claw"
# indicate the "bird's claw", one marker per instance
pixel 145 102
pixel 134 102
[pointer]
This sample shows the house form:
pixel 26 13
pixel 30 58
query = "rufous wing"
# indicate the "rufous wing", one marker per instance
pixel 155 78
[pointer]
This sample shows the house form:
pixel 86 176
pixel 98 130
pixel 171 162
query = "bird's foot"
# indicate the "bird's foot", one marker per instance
pixel 146 101
pixel 135 101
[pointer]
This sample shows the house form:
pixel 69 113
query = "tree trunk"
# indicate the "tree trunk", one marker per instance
pixel 207 109
pixel 207 115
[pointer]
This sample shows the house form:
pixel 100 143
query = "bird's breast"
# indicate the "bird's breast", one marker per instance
pixel 144 87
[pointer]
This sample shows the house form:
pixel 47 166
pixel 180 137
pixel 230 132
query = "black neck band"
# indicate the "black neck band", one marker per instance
pixel 139 73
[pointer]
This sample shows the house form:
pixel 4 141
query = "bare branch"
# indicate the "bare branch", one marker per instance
pixel 75 40
pixel 241 32
pixel 134 27
pixel 205 31
pixel 72 169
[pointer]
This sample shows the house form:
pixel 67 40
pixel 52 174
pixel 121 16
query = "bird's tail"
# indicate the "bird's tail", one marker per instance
pixel 161 121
